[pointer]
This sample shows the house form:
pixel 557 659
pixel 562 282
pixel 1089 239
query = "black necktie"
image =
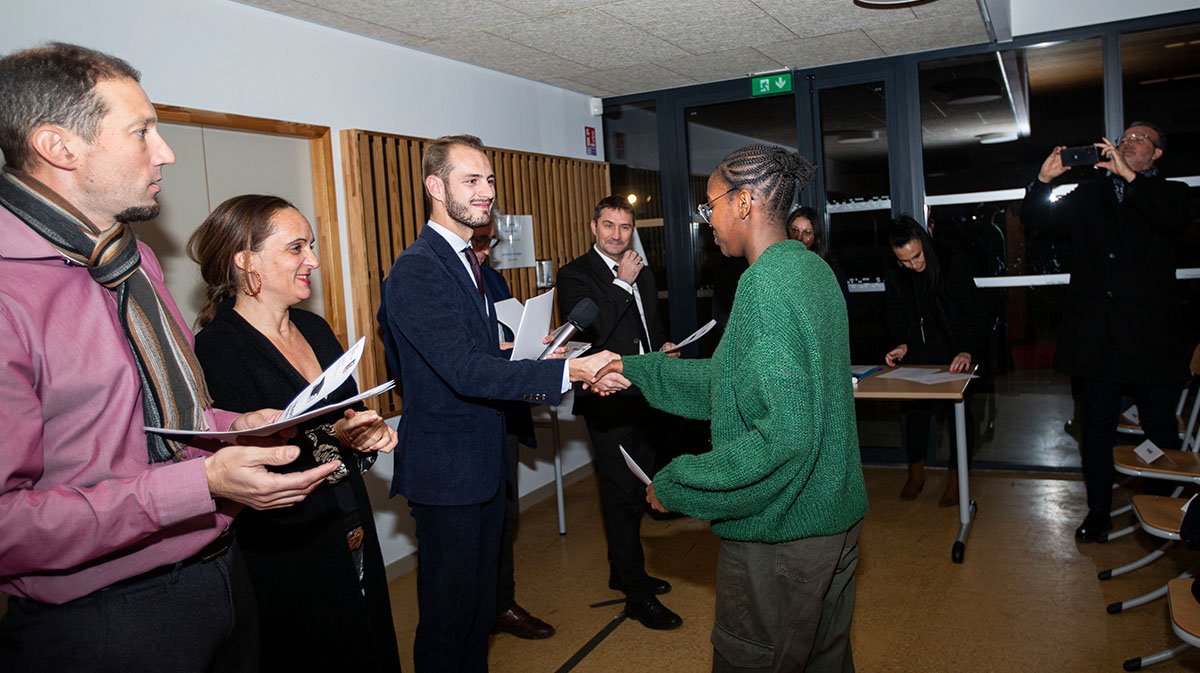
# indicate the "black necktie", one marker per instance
pixel 475 269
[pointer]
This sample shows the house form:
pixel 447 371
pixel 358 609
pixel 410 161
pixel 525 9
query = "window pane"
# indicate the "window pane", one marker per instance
pixel 1160 73
pixel 713 131
pixel 631 148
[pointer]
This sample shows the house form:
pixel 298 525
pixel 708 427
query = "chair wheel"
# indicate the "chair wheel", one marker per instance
pixel 956 552
pixel 1114 608
pixel 1105 574
pixel 1134 664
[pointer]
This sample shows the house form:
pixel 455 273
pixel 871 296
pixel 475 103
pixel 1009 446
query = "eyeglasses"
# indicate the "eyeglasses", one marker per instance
pixel 705 209
pixel 1136 139
pixel 484 241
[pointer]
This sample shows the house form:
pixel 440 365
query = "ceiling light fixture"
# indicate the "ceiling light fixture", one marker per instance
pixel 995 138
pixel 969 90
pixel 880 4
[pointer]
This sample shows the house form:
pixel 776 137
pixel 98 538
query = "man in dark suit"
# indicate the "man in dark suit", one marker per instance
pixel 616 278
pixel 450 458
pixel 1120 331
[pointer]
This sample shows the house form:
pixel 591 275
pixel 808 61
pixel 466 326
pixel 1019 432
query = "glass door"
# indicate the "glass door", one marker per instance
pixel 713 131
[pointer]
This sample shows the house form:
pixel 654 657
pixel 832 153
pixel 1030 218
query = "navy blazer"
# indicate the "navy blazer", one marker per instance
pixel 453 378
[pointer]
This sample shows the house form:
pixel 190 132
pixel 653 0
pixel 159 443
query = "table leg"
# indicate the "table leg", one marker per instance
pixel 966 506
pixel 558 483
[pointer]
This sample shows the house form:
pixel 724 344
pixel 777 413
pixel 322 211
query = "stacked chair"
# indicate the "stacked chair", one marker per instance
pixel 1162 517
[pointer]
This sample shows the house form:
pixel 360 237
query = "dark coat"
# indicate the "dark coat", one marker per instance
pixel 298 556
pixel 618 327
pixel 1121 321
pixel 955 319
pixel 451 445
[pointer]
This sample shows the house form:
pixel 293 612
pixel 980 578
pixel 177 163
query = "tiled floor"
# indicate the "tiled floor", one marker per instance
pixel 1026 599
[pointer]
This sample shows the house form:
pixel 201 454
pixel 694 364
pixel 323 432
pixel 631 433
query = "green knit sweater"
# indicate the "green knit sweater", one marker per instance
pixel 785 463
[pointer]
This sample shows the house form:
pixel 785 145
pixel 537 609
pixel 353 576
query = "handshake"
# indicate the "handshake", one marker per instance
pixel 600 372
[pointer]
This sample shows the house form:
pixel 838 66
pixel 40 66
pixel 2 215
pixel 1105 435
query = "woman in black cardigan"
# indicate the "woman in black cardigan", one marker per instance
pixel 316 566
pixel 936 314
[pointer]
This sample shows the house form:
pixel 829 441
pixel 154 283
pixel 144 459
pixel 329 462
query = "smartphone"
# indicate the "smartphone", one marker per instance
pixel 1080 156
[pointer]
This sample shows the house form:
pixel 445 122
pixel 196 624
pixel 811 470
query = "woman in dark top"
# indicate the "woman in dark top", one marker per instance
pixel 935 313
pixel 316 566
pixel 801 226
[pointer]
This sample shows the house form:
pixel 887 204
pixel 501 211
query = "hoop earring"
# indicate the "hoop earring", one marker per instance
pixel 247 290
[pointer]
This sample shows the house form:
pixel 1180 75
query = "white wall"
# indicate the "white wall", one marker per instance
pixel 1036 16
pixel 226 57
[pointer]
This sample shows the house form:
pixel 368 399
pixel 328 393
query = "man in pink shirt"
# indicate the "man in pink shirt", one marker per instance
pixel 114 543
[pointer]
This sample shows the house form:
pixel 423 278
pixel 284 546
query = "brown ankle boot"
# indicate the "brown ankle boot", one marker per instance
pixel 916 481
pixel 950 495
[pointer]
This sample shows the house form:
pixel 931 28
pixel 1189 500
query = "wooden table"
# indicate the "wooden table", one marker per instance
pixel 874 388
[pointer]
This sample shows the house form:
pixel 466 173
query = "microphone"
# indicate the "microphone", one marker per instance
pixel 581 317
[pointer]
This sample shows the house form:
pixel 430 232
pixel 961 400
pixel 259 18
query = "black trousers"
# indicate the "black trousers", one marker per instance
pixel 200 618
pixel 919 427
pixel 458 549
pixel 1101 411
pixel 506 586
pixel 622 495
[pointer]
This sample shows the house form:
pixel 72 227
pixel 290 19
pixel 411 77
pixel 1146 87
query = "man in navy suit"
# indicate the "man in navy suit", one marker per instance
pixel 450 459
pixel 615 276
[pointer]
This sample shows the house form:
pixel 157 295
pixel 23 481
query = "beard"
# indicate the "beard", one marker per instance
pixel 462 213
pixel 138 214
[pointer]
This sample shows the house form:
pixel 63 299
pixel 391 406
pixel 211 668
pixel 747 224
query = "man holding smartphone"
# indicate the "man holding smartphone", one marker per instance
pixel 1120 330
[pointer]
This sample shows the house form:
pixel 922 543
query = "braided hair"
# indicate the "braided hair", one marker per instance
pixel 777 174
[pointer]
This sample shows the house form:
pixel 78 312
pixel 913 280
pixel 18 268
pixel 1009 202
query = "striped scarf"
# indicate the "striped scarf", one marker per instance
pixel 173 390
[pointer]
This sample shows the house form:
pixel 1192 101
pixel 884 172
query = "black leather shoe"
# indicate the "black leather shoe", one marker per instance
pixel 1094 527
pixel 517 621
pixel 656 584
pixel 652 613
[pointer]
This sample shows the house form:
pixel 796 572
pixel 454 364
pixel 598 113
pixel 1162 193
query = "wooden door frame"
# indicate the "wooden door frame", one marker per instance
pixel 320 147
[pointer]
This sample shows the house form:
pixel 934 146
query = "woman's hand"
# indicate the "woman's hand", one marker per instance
pixel 255 419
pixel 365 431
pixel 961 363
pixel 653 500
pixel 895 355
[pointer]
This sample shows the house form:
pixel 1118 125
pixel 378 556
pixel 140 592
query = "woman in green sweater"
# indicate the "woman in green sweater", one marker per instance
pixel 783 484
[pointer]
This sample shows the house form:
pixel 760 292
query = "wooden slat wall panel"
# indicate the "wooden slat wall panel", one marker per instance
pixel 386 209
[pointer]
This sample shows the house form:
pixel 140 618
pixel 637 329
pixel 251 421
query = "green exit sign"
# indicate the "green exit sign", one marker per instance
pixel 769 85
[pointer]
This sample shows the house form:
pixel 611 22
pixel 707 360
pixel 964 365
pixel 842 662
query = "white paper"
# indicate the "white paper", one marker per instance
pixel 694 336
pixel 272 428
pixel 535 325
pixel 576 348
pixel 633 467
pixel 924 376
pixel 330 380
pixel 1148 451
pixel 509 312
pixel 1132 414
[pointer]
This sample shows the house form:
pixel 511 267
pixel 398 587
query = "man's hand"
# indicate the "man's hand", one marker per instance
pixel 653 500
pixel 1115 161
pixel 668 346
pixel 961 363
pixel 629 266
pixel 238 473
pixel 365 431
pixel 895 355
pixel 584 369
pixel 1053 167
